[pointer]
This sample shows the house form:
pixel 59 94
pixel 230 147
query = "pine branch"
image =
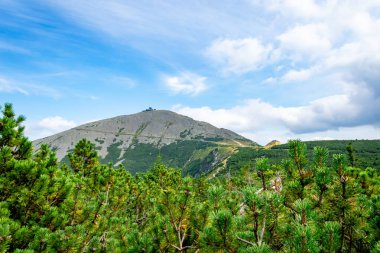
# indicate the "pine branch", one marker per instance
pixel 248 242
pixel 262 233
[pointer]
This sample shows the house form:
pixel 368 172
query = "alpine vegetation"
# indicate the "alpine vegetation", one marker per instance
pixel 300 204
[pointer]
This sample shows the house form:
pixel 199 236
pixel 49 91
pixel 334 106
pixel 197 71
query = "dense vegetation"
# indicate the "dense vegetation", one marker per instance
pixel 297 205
pixel 365 153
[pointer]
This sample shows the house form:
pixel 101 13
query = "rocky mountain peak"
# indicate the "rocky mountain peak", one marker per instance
pixel 118 137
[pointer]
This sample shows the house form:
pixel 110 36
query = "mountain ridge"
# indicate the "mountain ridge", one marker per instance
pixel 151 132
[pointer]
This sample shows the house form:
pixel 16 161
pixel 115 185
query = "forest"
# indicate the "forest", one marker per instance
pixel 302 203
pixel 365 153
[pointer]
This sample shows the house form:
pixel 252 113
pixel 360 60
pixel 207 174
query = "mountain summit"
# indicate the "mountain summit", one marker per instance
pixel 137 140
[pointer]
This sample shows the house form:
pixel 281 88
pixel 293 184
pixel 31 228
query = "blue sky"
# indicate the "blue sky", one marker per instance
pixel 274 69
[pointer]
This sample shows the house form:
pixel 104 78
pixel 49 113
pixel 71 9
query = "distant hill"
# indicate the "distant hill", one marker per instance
pixel 272 144
pixel 367 153
pixel 136 141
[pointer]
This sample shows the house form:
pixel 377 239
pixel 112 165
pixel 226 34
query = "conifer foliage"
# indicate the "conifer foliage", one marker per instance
pixel 295 206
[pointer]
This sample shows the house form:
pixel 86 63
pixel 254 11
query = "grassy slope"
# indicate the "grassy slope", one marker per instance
pixel 195 157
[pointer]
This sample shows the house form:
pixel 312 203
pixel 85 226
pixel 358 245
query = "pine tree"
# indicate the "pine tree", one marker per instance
pixel 350 154
pixel 84 157
pixel 12 137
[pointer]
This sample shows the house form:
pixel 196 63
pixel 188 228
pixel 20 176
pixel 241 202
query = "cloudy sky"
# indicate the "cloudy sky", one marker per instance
pixel 267 69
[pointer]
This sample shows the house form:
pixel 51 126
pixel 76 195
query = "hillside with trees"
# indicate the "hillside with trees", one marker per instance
pixel 324 202
pixel 360 153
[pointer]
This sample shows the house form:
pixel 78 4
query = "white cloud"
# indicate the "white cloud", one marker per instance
pixel 9 47
pixel 303 9
pixel 47 126
pixel 263 122
pixel 240 55
pixel 341 47
pixel 305 41
pixel 186 83
pixel 124 81
pixel 297 75
pixel 94 97
pixel 341 133
pixel 320 116
pixel 6 86
pixel 309 47
pixel 157 24
pixel 56 123
pixel 14 86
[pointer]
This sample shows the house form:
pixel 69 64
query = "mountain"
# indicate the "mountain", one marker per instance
pixel 136 141
pixel 272 144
